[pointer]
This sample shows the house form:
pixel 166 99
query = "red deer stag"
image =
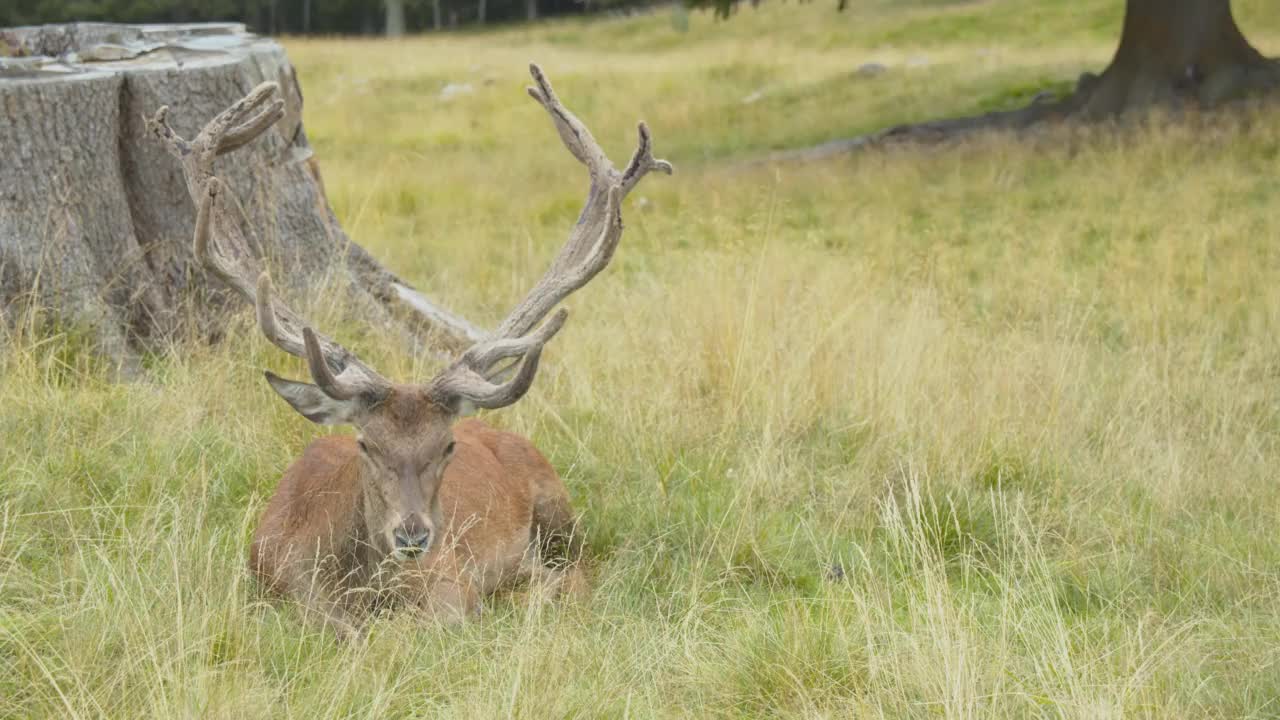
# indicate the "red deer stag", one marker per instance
pixel 414 509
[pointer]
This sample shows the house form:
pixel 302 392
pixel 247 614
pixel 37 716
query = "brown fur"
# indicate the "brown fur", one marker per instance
pixel 501 504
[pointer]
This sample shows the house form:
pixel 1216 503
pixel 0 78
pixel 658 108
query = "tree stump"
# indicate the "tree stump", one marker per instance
pixel 95 219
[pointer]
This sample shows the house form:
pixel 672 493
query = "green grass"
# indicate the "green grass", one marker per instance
pixel 982 431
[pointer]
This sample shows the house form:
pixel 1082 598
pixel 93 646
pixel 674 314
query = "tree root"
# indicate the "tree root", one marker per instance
pixel 1097 98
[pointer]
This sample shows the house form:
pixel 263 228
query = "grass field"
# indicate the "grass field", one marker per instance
pixel 1023 394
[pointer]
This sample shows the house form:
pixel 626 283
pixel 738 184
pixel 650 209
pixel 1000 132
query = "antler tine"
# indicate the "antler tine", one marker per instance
pixel 590 247
pixel 334 387
pixel 221 245
pixel 577 138
pixel 235 120
pixel 233 128
pixel 643 162
pixel 277 321
pixel 462 383
pixel 488 354
pixel 158 124
pixel 250 129
pixel 205 249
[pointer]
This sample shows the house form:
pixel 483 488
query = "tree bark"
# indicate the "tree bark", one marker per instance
pixel 1176 53
pixel 531 10
pixel 95 220
pixel 395 18
pixel 481 11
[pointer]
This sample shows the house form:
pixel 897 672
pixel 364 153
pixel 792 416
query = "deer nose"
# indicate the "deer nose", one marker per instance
pixel 412 538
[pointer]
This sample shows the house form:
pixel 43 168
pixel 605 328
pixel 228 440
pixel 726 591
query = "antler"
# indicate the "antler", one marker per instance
pixel 223 244
pixel 589 249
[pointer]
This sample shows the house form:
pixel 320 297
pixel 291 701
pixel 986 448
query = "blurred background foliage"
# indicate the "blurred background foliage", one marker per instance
pixel 334 17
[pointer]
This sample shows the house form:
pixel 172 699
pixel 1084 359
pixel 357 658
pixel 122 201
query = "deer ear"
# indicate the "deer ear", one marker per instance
pixel 313 404
pixel 464 408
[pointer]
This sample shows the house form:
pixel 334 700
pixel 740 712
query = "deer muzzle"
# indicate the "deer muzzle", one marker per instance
pixel 412 537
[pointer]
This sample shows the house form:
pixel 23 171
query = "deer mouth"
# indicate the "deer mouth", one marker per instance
pixel 408 553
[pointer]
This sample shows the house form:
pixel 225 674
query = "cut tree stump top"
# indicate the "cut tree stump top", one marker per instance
pixel 57 53
pixel 52 51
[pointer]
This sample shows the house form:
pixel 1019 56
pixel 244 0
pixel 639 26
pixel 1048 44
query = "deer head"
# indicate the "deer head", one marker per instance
pixel 405 435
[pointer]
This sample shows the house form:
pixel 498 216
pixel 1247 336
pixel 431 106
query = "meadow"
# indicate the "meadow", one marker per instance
pixel 983 430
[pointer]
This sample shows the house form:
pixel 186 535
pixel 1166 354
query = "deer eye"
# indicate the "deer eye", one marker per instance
pixel 363 448
pixel 448 449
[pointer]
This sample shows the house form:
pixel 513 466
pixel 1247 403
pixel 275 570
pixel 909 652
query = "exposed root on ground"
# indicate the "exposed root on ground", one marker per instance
pixel 1120 91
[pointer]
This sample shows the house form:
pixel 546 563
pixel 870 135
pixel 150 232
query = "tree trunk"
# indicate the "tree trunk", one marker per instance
pixel 481 11
pixel 1175 52
pixel 395 18
pixel 435 16
pixel 531 10
pixel 95 220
